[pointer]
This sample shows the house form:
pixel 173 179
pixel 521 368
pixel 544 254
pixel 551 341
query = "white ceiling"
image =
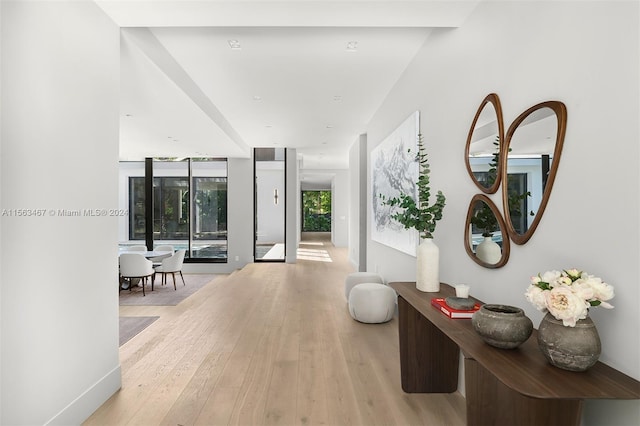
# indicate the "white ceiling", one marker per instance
pixel 293 83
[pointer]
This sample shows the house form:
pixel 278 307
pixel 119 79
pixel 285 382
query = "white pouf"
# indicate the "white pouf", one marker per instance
pixel 356 278
pixel 372 303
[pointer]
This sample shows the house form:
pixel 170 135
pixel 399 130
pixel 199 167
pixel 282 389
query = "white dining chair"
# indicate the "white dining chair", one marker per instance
pixel 137 248
pixel 134 265
pixel 165 247
pixel 171 265
pixel 157 260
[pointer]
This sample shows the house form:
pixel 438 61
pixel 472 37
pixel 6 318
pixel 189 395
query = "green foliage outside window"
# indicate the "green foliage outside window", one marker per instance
pixel 316 211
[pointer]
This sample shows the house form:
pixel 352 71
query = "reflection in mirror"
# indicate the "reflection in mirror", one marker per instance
pixel 484 233
pixel 534 144
pixel 483 145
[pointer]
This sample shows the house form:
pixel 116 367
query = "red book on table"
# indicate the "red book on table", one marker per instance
pixel 440 304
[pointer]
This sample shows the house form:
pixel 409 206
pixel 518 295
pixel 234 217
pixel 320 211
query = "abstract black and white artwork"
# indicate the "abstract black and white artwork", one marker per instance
pixel 394 169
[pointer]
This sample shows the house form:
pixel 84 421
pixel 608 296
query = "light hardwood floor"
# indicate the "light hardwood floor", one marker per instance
pixel 272 343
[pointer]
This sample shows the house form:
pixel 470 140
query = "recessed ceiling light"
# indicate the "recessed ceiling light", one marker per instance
pixel 337 98
pixel 329 126
pixel 235 45
pixel 128 115
pixel 268 126
pixel 352 46
pixel 257 98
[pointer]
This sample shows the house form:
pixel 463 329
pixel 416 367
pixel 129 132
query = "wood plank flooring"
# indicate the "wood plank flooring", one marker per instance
pixel 271 344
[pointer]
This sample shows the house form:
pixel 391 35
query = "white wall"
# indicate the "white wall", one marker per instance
pixel 59 313
pixel 528 52
pixel 240 212
pixel 340 208
pixel 358 203
pixel 293 207
pixel 270 215
pixel 1 203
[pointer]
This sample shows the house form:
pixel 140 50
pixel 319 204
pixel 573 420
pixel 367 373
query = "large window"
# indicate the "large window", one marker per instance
pixel 189 207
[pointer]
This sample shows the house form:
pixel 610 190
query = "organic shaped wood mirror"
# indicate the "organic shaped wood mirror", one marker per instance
pixel 484 143
pixel 485 236
pixel 534 144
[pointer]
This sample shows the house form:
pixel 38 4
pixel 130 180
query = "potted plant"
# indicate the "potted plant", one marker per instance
pixel 422 216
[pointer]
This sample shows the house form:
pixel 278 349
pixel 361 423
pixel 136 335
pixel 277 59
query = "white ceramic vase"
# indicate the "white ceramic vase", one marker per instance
pixel 489 251
pixel 427 264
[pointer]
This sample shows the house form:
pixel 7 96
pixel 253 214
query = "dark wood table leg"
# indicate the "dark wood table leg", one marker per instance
pixel 428 358
pixel 489 402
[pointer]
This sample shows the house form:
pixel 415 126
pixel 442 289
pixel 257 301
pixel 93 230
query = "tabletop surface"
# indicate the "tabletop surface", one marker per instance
pixel 148 253
pixel 523 369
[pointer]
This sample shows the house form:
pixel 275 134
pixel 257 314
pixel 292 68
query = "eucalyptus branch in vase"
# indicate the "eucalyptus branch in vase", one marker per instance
pixel 421 215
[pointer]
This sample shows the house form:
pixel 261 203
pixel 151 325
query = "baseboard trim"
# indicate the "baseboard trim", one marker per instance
pixel 89 401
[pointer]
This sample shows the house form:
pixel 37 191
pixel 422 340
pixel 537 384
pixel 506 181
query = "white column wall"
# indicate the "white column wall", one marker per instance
pixel 239 215
pixel 528 52
pixel 59 313
pixel 340 208
pixel 293 207
pixel 358 203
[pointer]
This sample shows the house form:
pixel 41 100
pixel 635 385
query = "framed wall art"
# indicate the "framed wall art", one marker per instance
pixel 395 169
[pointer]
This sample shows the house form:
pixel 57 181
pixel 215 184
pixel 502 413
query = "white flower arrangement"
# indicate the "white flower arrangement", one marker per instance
pixel 568 295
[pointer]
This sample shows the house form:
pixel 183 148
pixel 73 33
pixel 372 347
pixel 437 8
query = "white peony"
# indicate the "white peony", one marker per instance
pixel 535 295
pixel 551 277
pixel 601 290
pixel 583 289
pixel 566 306
pixel 569 294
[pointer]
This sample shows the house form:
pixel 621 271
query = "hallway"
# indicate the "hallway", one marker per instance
pixel 272 343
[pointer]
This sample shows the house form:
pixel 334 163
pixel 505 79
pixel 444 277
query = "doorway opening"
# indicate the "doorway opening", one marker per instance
pixel 316 211
pixel 269 201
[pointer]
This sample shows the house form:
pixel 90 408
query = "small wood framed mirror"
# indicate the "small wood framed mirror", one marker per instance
pixel 484 144
pixel 533 146
pixel 485 236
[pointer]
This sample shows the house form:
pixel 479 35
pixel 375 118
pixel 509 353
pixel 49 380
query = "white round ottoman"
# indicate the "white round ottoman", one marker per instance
pixel 372 303
pixel 356 278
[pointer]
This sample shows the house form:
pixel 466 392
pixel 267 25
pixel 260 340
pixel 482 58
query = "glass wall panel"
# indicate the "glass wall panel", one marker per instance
pixel 191 217
pixel 210 209
pixel 136 208
pixel 171 205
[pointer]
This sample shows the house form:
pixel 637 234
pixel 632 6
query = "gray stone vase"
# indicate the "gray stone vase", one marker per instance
pixel 502 326
pixel 570 348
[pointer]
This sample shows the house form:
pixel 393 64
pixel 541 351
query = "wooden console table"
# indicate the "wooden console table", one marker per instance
pixel 503 386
